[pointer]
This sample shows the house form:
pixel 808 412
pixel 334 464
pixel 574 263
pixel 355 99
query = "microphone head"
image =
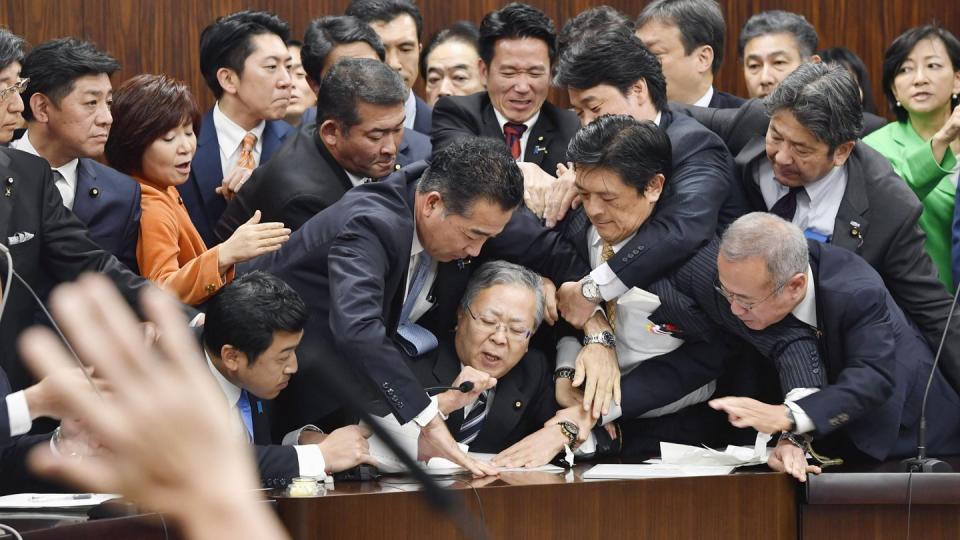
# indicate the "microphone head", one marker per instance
pixel 466 387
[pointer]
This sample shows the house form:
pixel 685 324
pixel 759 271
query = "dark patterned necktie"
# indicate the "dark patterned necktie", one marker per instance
pixel 786 206
pixel 513 132
pixel 473 421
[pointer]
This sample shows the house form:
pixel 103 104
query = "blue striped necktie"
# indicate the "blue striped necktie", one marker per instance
pixel 473 421
pixel 415 339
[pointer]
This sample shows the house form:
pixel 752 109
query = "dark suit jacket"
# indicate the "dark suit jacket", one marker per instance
pixel 108 202
pixel 662 380
pixel 886 212
pixel 58 250
pixel 206 174
pixel 277 464
pixel 349 263
pixel 723 100
pixel 701 197
pixel 424 120
pixel 471 116
pixel 523 398
pixel 302 180
pixel 15 476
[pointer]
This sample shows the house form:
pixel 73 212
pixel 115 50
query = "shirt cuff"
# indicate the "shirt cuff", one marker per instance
pixel 427 414
pixel 588 447
pixel 311 460
pixel 19 413
pixel 567 350
pixel 610 285
pixel 803 422
pixel 293 438
pixel 615 412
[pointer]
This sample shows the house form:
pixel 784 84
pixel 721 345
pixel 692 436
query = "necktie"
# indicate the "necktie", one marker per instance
pixel 473 421
pixel 513 132
pixel 786 206
pixel 610 306
pixel 415 339
pixel 246 151
pixel 243 405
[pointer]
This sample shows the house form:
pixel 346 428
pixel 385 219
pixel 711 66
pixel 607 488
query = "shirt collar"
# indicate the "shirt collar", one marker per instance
pixel 501 120
pixel 230 390
pixel 598 242
pixel 415 247
pixel 68 169
pixel 704 100
pixel 230 134
pixel 806 310
pixel 657 118
pixel 356 180
pixel 818 188
pixel 410 109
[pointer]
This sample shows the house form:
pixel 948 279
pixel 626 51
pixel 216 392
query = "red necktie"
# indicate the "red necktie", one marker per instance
pixel 513 132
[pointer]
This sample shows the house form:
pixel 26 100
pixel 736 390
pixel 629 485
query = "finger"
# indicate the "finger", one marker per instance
pixel 364 431
pixel 552 206
pixel 369 460
pixel 255 218
pixel 566 203
pixel 616 391
pixel 579 373
pixel 93 475
pixel 602 400
pixel 589 393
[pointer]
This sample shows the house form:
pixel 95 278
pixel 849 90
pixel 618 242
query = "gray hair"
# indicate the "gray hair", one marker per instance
pixel 780 22
pixel 825 99
pixel 11 48
pixel 700 23
pixel 779 243
pixel 504 273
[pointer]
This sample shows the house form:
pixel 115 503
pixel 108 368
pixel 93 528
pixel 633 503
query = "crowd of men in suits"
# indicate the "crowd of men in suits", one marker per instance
pixel 707 266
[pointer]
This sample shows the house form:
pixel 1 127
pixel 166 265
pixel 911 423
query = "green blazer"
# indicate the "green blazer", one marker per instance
pixel 912 158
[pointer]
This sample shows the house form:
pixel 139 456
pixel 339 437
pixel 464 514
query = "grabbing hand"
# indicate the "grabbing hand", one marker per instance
pixel 436 441
pixel 789 458
pixel 574 307
pixel 345 448
pixel 550 314
pixel 233 181
pixel 745 412
pixel 453 400
pixel 598 369
pixel 534 450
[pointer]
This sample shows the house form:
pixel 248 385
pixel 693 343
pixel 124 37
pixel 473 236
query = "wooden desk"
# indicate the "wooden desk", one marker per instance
pixel 554 506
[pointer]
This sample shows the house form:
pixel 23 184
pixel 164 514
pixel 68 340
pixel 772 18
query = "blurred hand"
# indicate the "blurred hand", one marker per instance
pixel 534 450
pixel 537 186
pixel 345 448
pixel 745 412
pixel 789 458
pixel 436 441
pixel 46 399
pixel 563 197
pixel 250 240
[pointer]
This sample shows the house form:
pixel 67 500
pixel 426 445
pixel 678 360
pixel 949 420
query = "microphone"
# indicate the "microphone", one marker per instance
pixel 466 387
pixel 922 463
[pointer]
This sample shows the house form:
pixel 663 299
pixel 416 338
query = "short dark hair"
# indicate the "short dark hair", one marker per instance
pixel 635 150
pixel 700 23
pixel 144 108
pixel 849 59
pixel 246 313
pixel 54 66
pixel 326 33
pixel 776 22
pixel 901 48
pixel 354 80
pixel 824 99
pixel 386 11
pixel 515 21
pixel 226 43
pixel 590 22
pixel 471 169
pixel 463 31
pixel 11 48
pixel 613 58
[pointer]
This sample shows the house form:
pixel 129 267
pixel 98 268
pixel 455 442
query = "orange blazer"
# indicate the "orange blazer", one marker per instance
pixel 170 251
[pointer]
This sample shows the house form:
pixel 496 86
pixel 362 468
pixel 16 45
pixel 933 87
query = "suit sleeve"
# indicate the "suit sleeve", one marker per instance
pixel 525 241
pixel 158 254
pixel 866 381
pixel 298 210
pixel 451 122
pixel 277 464
pixel 684 221
pixel 736 127
pixel 358 261
pixel 132 231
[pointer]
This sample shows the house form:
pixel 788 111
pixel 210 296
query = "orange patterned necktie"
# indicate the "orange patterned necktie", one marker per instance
pixel 610 306
pixel 246 151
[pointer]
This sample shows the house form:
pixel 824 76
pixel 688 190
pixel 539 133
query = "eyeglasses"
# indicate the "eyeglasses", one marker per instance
pixel 489 324
pixel 19 87
pixel 731 297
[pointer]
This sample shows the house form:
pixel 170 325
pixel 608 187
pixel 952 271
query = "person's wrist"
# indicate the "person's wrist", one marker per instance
pixel 36 401
pixel 596 323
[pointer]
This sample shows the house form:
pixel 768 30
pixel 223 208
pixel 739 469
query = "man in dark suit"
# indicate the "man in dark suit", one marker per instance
pixel 65 75
pixel 400 27
pixel 877 363
pixel 614 73
pixel 518 48
pixel 243 58
pixel 366 266
pixel 250 336
pixel 874 214
pixel 687 36
pixel 356 141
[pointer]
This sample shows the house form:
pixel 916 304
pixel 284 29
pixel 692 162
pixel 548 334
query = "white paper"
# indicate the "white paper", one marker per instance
pixel 440 465
pixel 406 435
pixel 54 500
pixel 732 456
pixel 616 470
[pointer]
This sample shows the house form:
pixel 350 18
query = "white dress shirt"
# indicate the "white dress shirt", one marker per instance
pixel 806 311
pixel 637 340
pixel 230 137
pixel 704 100
pixel 502 120
pixel 421 306
pixel 410 110
pixel 356 180
pixel 309 457
pixel 67 182
pixel 817 204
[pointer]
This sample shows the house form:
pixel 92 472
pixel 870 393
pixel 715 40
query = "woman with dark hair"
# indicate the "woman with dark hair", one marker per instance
pixel 921 79
pixel 153 139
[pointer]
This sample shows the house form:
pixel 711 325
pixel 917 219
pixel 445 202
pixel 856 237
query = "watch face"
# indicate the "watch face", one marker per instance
pixel 590 290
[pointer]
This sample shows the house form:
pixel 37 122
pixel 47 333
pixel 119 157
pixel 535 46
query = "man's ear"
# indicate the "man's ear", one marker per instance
pixel 432 203
pixel 483 70
pixel 796 285
pixel 228 79
pixel 231 357
pixel 40 105
pixel 704 58
pixel 815 59
pixel 329 132
pixel 843 152
pixel 655 188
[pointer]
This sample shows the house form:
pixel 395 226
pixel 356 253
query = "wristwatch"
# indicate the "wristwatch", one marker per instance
pixel 564 373
pixel 605 338
pixel 570 430
pixel 590 290
pixel 793 421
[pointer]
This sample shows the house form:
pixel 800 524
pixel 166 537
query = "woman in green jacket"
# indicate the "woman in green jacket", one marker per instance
pixel 921 79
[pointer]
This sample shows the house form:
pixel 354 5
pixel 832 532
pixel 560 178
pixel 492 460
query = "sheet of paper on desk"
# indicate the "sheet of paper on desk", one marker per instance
pixel 444 466
pixel 732 456
pixel 54 500
pixel 618 470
